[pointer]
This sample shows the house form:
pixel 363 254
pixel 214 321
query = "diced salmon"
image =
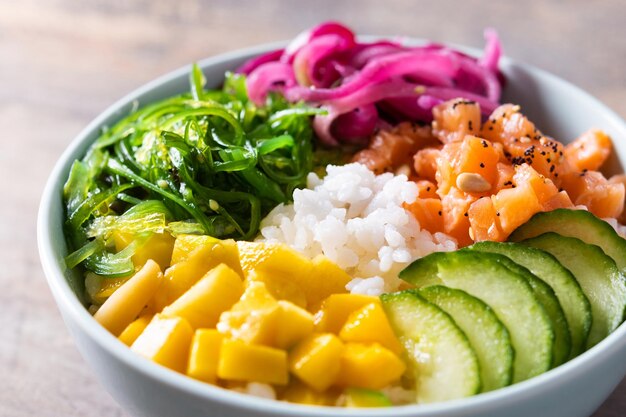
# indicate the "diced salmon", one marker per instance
pixel 505 175
pixel 390 149
pixel 426 189
pixel 425 163
pixel 543 187
pixel 589 151
pixel 455 205
pixel 557 201
pixel 620 179
pixel 484 221
pixel 428 212
pixel 515 206
pixel 472 155
pixel 456 118
pixel 593 190
pixel 506 123
pixel 522 142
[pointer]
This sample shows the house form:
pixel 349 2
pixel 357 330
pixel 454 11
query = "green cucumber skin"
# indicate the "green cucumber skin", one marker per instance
pixel 442 360
pixel 588 262
pixel 485 276
pixel 573 300
pixel 486 333
pixel 362 397
pixel 580 224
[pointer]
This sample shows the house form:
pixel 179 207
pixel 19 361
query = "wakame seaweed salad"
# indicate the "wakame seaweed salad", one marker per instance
pixel 205 162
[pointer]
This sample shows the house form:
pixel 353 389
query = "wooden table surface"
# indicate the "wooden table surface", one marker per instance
pixel 62 62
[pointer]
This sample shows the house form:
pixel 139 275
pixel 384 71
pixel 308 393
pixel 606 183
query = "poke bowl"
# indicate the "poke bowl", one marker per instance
pixel 576 387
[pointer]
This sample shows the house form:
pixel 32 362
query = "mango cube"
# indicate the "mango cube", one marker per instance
pixel 182 275
pixel 253 318
pixel 204 356
pixel 285 269
pixel 316 360
pixel 203 303
pixel 166 341
pixel 272 257
pixel 185 245
pixel 299 393
pixel 327 278
pixel 259 318
pixel 369 324
pixel 241 361
pixel 292 325
pixel 158 247
pixel 369 366
pixel 280 286
pixel 133 330
pixel 337 308
pixel 125 304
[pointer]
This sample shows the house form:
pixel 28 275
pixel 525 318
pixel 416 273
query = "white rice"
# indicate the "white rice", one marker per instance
pixel 356 219
pixel 260 390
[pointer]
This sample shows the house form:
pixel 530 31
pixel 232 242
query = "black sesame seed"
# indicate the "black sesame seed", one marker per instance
pixel 498 213
pixel 439 212
pixel 465 214
pixel 482 165
pixel 552 168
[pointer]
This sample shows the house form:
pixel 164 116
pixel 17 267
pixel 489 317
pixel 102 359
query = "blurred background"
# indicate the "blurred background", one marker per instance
pixel 62 62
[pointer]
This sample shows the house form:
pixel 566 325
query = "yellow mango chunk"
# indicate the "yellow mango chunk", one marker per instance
pixel 205 354
pixel 369 366
pixel 285 270
pixel 337 308
pixel 299 393
pixel 327 278
pixel 316 360
pixel 186 244
pixel 158 247
pixel 166 341
pixel 292 325
pixel 253 318
pixel 272 257
pixel 99 288
pixel 369 324
pixel 125 304
pixel 133 330
pixel 208 298
pixel 241 361
pixel 259 318
pixel 281 287
pixel 182 275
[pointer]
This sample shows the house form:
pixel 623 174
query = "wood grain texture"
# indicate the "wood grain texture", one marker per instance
pixel 62 62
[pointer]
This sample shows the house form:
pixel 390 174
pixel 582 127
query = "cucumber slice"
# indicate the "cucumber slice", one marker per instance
pixel 547 298
pixel 581 224
pixel 485 276
pixel 442 360
pixel 364 398
pixel 486 333
pixel 597 274
pixel 573 300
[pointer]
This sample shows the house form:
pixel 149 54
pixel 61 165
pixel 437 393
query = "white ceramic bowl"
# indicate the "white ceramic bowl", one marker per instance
pixel 145 389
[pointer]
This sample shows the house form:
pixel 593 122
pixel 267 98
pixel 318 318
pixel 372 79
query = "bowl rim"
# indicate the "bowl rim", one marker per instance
pixel 70 305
